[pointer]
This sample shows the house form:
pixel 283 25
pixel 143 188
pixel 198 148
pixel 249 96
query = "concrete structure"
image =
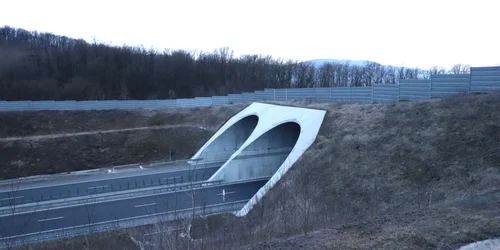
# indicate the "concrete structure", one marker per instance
pixel 263 140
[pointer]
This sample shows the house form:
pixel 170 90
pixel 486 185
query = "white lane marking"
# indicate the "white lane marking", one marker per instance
pixel 49 219
pixel 105 186
pixel 145 205
pixel 12 198
pixel 174 177
pixel 224 193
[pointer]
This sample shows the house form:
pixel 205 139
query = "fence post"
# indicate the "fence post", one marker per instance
pixel 286 94
pixel 470 79
pixel 373 86
pixel 274 92
pixel 399 91
pixel 430 88
pixel 350 93
pixel 331 95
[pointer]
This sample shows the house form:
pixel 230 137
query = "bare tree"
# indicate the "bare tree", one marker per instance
pixel 460 69
pixel 305 190
pixel 436 70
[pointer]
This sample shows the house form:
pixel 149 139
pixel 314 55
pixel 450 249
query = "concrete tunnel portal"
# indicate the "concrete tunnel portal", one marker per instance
pixel 229 141
pixel 265 155
pixel 261 141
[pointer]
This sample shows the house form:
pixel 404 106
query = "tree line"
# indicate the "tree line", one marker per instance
pixel 44 66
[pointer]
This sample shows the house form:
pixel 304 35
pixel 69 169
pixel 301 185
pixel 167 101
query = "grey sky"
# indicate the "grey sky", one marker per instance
pixel 411 32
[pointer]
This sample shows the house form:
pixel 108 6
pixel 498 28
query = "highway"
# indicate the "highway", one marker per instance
pixel 15 194
pixel 88 214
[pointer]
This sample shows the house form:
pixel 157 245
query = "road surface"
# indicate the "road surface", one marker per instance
pixel 19 193
pixel 88 214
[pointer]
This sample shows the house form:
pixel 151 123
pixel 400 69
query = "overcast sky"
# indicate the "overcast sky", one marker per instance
pixel 398 32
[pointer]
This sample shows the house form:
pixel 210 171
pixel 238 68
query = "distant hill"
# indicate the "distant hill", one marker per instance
pixel 319 62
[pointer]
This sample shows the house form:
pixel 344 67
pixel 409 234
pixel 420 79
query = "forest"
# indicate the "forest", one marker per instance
pixel 45 66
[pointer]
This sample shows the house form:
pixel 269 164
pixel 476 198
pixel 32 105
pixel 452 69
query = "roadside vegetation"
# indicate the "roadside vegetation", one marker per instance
pixel 408 175
pixel 165 135
pixel 45 66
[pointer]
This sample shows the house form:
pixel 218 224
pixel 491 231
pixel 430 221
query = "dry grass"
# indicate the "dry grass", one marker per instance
pixel 370 161
pixel 410 175
pixel 96 150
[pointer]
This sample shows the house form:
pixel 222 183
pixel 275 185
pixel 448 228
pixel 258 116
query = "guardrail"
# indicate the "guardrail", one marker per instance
pixel 109 196
pixel 56 234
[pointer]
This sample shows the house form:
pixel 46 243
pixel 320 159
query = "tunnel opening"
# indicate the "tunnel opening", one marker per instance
pixel 221 149
pixel 263 157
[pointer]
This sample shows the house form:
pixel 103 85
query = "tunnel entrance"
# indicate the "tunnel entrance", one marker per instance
pixel 264 156
pixel 229 141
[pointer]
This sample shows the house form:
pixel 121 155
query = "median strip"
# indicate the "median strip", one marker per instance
pixel 49 219
pixel 145 205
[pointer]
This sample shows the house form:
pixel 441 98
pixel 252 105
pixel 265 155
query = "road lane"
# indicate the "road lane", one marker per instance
pixel 108 211
pixel 19 195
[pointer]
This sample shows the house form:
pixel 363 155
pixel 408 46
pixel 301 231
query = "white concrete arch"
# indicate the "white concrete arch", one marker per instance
pixel 269 118
pixel 231 137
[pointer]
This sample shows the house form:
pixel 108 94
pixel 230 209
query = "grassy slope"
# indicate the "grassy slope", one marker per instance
pixel 415 175
pixel 383 161
pixel 45 156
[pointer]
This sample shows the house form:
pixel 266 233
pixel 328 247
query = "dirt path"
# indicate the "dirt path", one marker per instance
pixel 51 136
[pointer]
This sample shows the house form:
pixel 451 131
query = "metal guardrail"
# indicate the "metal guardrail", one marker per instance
pixel 92 171
pixel 56 234
pixel 109 196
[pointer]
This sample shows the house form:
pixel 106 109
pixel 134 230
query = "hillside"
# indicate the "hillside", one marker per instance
pixel 408 175
pixel 320 62
pixel 34 143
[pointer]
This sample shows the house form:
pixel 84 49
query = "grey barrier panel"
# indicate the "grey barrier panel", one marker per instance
pixel 300 94
pixel 203 101
pixel 19 106
pixel 4 106
pixel 308 93
pixel 249 97
pixel 481 79
pixel 322 94
pixel 186 103
pixel 385 93
pixel 414 89
pixel 43 105
pixel 109 104
pixel 280 94
pixel 450 84
pixel 64 105
pixel 235 98
pixel 172 103
pixel 485 79
pixel 341 94
pixel 86 105
pixel 270 94
pixel 361 94
pixel 147 104
pixel 128 104
pixel 220 100
pixel 261 96
pixel 294 94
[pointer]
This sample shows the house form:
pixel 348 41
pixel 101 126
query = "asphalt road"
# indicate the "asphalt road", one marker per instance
pixel 64 217
pixel 22 194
